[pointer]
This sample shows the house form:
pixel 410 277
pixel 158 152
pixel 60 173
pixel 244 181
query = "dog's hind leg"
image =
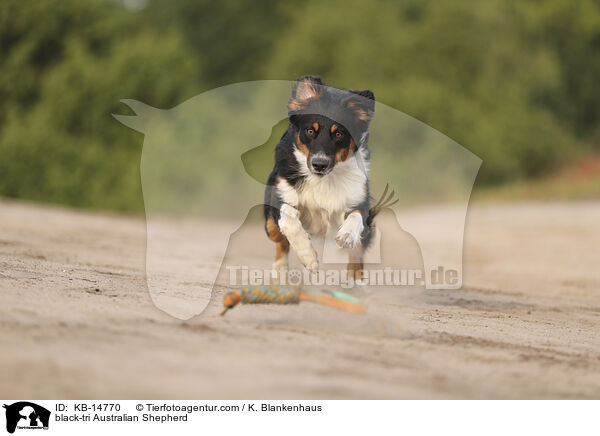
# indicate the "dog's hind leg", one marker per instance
pixel 282 246
pixel 356 255
pixel 355 263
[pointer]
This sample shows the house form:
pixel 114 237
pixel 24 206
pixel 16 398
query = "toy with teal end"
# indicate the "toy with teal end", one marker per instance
pixel 346 297
pixel 292 295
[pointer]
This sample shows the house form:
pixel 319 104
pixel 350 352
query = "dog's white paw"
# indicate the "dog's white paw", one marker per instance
pixel 309 259
pixel 313 266
pixel 348 236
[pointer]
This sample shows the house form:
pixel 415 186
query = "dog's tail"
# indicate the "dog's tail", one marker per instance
pixel 386 200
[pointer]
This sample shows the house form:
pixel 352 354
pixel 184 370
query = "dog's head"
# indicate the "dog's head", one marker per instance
pixel 329 124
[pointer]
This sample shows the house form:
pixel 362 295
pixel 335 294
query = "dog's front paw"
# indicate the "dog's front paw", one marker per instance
pixel 348 236
pixel 308 257
pixel 313 266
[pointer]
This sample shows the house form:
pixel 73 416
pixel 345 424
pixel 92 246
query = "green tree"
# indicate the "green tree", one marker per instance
pixel 59 142
pixel 467 69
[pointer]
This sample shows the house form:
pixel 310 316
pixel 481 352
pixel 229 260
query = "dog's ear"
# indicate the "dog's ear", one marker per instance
pixel 367 93
pixel 362 103
pixel 305 89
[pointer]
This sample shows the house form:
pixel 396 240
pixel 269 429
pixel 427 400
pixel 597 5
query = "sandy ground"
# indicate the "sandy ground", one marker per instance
pixel 76 319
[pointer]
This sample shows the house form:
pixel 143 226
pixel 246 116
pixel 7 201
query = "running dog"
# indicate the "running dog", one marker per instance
pixel 320 179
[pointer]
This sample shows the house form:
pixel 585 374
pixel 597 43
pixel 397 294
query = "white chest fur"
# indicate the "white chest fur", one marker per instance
pixel 322 201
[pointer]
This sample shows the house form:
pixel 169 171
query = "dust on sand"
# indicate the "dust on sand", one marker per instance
pixel 76 319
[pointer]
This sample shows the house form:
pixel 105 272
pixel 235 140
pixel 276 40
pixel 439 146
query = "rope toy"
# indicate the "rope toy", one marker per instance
pixel 291 295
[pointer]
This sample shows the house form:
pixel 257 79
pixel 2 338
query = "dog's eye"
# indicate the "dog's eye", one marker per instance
pixel 338 134
pixel 310 132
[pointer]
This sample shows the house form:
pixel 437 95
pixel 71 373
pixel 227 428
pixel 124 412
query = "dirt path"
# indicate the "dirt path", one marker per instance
pixel 76 320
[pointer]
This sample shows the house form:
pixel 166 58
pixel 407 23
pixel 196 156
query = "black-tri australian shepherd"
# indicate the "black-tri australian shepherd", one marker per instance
pixel 320 180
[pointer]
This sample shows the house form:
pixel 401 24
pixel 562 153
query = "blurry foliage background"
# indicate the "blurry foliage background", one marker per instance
pixel 516 82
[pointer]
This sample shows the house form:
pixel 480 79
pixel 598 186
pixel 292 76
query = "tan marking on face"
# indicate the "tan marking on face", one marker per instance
pixel 334 127
pixel 302 147
pixel 316 126
pixel 346 152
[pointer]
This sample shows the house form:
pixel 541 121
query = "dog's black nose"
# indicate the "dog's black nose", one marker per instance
pixel 319 163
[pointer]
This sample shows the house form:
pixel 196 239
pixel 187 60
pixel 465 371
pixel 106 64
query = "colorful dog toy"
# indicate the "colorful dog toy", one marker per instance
pixel 292 295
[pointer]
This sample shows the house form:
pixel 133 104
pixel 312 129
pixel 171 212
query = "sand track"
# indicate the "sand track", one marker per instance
pixel 76 320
